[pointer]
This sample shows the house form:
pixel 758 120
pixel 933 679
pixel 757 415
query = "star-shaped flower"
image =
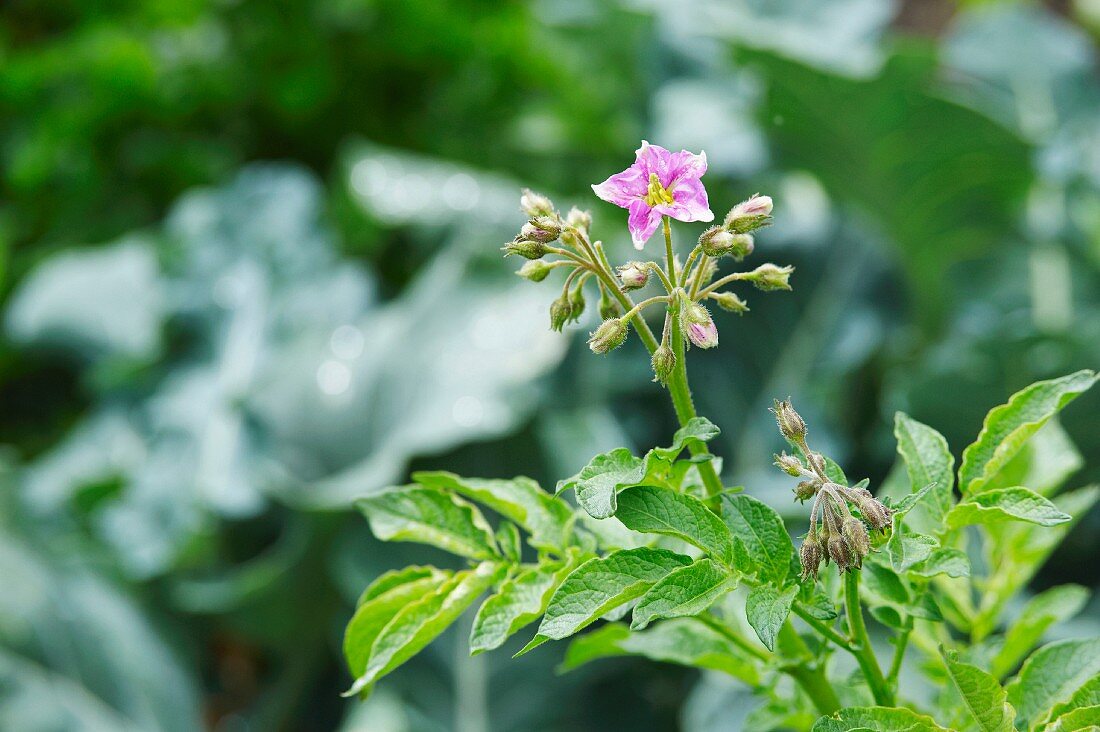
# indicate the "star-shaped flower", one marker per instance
pixel 659 183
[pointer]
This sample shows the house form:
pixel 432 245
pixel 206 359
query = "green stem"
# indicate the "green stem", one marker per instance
pixel 736 638
pixel 811 679
pixel 861 642
pixel 899 653
pixel 821 628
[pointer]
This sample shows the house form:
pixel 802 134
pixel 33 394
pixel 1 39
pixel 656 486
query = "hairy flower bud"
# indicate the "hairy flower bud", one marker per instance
pixel 664 361
pixel 576 304
pixel 527 248
pixel 730 302
pixel 696 322
pixel 716 241
pixel 749 215
pixel 535 204
pixel 535 270
pixel 805 490
pixel 769 277
pixel 541 228
pixel 559 313
pixel 609 336
pixel 876 514
pixel 608 307
pixel 790 422
pixel 789 464
pixel 854 532
pixel 810 555
pixel 634 275
pixel 579 219
pixel 839 551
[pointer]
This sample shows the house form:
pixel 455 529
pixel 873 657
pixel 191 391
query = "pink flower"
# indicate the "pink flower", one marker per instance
pixel 659 183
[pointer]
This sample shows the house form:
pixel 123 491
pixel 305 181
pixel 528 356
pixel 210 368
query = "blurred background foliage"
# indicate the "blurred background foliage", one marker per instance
pixel 249 271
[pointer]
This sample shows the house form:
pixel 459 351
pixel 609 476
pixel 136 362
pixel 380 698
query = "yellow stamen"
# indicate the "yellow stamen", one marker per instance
pixel 657 193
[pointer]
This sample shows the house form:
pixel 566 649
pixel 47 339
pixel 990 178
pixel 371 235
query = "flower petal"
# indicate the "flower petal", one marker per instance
pixel 689 202
pixel 685 166
pixel 654 159
pixel 642 222
pixel 623 188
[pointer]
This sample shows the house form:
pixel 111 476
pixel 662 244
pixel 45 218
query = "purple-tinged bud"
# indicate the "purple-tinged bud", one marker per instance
pixel 839 551
pixel 698 325
pixel 789 464
pixel 576 304
pixel 749 215
pixel 664 361
pixel 535 270
pixel 805 490
pixel 609 336
pixel 527 248
pixel 634 275
pixel 541 228
pixel 535 204
pixel 559 313
pixel 876 514
pixel 716 242
pixel 730 302
pixel 579 219
pixel 769 277
pixel 810 555
pixel 854 532
pixel 790 422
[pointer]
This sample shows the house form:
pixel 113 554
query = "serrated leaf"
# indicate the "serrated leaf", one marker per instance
pixel 390 596
pixel 766 609
pixel 983 698
pixel 520 601
pixel 763 533
pixel 601 585
pixel 1055 605
pixel 952 562
pixel 430 516
pixel 661 511
pixel 1008 427
pixel 683 641
pixel 547 519
pixel 928 460
pixel 1085 718
pixel 685 591
pixel 1052 675
pixel 421 621
pixel 877 719
pixel 1006 504
pixel 906 549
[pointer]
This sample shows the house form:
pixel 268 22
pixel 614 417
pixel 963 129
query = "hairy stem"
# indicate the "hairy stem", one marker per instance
pixel 861 642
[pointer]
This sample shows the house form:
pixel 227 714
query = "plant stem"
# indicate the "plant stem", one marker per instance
pixel 811 679
pixel 822 628
pixel 734 638
pixel 861 642
pixel 899 653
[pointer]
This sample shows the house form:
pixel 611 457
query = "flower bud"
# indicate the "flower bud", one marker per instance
pixel 716 241
pixel 698 325
pixel 525 248
pixel 559 313
pixel 664 361
pixel 810 555
pixel 608 307
pixel 576 304
pixel 535 204
pixel 609 336
pixel 541 228
pixel 854 532
pixel 876 514
pixel 634 275
pixel 749 215
pixel 579 219
pixel 535 270
pixel 789 464
pixel 805 490
pixel 768 277
pixel 839 551
pixel 730 302
pixel 790 422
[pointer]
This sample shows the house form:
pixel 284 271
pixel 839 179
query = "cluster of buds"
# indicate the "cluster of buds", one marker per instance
pixel 836 533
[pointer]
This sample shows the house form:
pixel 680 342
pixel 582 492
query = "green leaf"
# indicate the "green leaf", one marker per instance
pixel 952 562
pixel 697 429
pixel 888 616
pixel 1085 718
pixel 1052 675
pixel 420 621
pixel 909 500
pixel 388 597
pixel 767 608
pixel 877 719
pixel 430 516
pixel 885 583
pixel 685 591
pixel 1006 504
pixel 519 602
pixel 983 698
pixel 1087 696
pixel 395 577
pixel 1055 605
pixel 683 641
pixel 928 461
pixel 907 550
pixel 763 533
pixel 813 600
pixel 510 542
pixel 1009 426
pixel 662 511
pixel 548 519
pixel 601 585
